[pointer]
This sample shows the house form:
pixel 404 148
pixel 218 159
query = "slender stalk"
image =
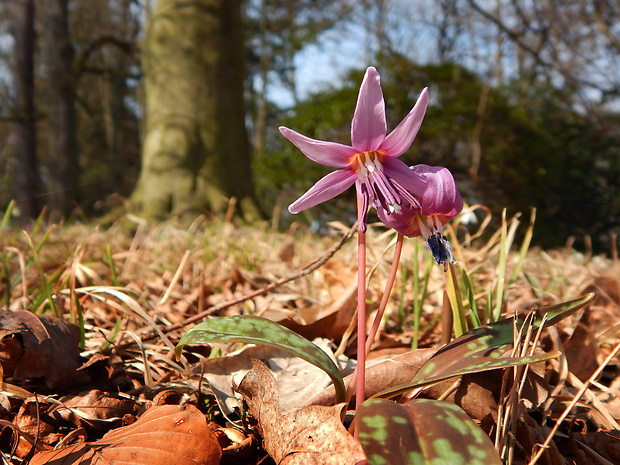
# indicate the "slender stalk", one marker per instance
pixel 355 378
pixel 361 309
pixel 446 319
pixel 386 293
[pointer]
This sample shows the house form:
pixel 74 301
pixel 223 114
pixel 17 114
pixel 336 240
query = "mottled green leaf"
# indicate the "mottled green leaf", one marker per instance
pixel 467 367
pixel 482 348
pixel 255 330
pixel 421 431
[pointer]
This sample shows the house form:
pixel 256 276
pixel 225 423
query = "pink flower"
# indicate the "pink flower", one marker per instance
pixel 440 203
pixel 370 163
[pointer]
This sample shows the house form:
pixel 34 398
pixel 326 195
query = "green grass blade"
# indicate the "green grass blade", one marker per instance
pixel 113 273
pixel 47 291
pixel 38 223
pixel 471 298
pixel 525 246
pixel 108 343
pixel 501 269
pixel 8 213
pixel 80 322
pixel 456 302
pixel 419 295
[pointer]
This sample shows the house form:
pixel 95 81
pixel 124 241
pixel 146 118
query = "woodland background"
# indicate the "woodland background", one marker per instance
pixel 524 101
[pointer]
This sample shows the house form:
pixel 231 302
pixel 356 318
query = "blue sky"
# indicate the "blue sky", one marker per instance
pixel 321 65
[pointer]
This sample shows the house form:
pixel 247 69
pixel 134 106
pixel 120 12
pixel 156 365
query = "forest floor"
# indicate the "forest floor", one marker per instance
pixel 90 317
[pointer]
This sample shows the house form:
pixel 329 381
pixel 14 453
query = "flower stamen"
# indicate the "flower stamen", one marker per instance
pixel 381 191
pixel 436 242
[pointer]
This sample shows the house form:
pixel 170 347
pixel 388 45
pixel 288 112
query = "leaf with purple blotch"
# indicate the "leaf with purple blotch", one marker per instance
pixel 421 431
pixel 248 329
pixel 482 348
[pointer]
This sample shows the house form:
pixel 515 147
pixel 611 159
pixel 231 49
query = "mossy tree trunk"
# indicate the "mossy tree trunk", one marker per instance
pixel 196 153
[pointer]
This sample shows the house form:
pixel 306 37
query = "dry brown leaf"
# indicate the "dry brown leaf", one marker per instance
pixel 382 374
pixel 312 435
pixel 162 435
pixel 330 322
pixel 78 454
pixel 604 443
pixel 93 406
pixel 297 379
pixel 582 352
pixel 39 346
pixel 478 393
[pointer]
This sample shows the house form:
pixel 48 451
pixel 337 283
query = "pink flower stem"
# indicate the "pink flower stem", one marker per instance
pixel 361 309
pixel 359 375
pixel 386 293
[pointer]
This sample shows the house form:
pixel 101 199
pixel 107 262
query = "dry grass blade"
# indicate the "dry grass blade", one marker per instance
pixel 572 404
pixel 175 278
pixel 309 268
pixel 95 291
pixel 507 427
pixel 148 377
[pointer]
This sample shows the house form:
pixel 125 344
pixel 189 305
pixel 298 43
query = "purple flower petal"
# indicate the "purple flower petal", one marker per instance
pixel 399 172
pixel 400 139
pixel 326 188
pixel 325 153
pixel 404 221
pixel 368 127
pixel 441 196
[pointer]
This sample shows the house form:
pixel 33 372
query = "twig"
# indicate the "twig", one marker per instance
pixel 295 275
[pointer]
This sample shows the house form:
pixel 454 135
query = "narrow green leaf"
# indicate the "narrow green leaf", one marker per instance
pixel 501 269
pixel 556 313
pixel 47 288
pixel 113 273
pixel 422 431
pixel 466 367
pixel 456 303
pixel 525 245
pixel 471 298
pixel 249 329
pixel 8 213
pixel 420 292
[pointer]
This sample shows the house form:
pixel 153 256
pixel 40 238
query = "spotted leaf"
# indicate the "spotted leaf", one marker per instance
pixel 483 348
pixel 255 330
pixel 421 431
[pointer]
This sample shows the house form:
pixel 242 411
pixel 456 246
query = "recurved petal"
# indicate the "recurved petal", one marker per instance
pixel 405 221
pixel 400 172
pixel 441 196
pixel 400 139
pixel 323 152
pixel 326 188
pixel 368 127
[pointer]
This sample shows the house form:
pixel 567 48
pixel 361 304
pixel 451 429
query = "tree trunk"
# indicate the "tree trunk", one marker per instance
pixel 196 153
pixel 26 178
pixel 63 158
